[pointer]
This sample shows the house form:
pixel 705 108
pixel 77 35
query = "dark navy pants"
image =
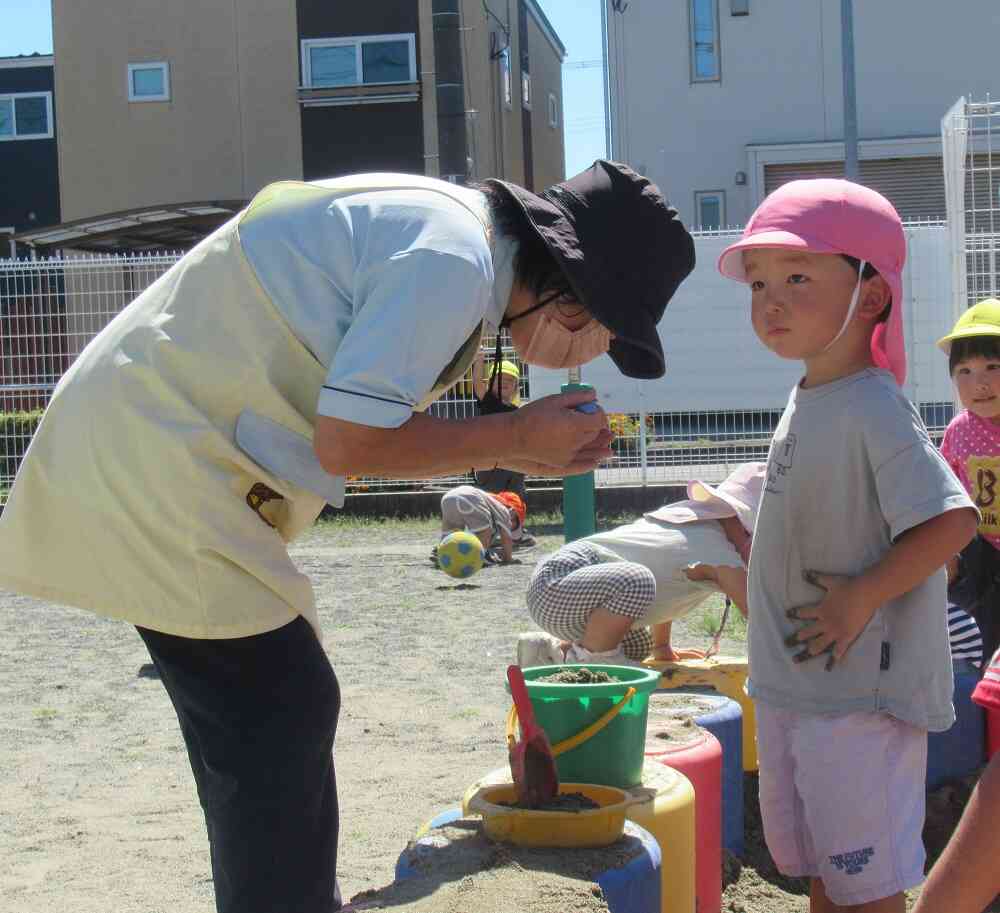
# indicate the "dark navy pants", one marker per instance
pixel 259 716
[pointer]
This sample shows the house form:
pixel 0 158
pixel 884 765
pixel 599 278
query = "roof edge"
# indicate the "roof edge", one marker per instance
pixel 538 14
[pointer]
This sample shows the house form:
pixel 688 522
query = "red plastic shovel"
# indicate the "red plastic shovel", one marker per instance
pixel 531 762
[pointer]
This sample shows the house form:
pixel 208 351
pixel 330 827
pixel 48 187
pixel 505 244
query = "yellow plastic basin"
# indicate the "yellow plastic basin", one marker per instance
pixel 589 828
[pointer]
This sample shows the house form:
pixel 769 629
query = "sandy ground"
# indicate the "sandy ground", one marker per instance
pixel 97 804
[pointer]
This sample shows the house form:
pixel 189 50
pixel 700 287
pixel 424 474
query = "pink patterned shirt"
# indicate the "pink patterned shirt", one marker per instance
pixel 971 445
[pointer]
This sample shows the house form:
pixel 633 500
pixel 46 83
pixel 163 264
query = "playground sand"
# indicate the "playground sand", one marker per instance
pixel 460 871
pixel 99 806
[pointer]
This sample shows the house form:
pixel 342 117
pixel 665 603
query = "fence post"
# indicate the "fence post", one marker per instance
pixel 642 440
pixel 579 515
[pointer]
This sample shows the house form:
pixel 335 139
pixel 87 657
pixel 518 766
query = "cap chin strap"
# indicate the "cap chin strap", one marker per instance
pixel 853 307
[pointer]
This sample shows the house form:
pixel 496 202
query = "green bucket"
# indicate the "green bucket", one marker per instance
pixel 613 756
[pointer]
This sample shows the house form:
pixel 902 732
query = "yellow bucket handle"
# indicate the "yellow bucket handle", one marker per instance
pixel 582 736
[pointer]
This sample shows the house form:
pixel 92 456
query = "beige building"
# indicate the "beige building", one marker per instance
pixel 171 113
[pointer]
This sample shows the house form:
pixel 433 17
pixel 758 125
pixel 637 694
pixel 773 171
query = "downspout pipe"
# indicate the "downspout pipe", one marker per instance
pixel 450 90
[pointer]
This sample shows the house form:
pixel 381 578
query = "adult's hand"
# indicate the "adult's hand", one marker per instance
pixel 550 432
pixel 545 438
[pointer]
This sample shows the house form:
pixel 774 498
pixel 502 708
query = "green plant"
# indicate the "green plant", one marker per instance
pixel 467 713
pixel 625 430
pixel 15 422
pixel 710 616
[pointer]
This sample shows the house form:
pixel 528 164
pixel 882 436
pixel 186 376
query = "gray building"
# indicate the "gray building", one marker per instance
pixel 721 101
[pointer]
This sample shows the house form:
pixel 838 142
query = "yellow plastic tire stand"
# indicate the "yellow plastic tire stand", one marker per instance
pixel 725 674
pixel 664 806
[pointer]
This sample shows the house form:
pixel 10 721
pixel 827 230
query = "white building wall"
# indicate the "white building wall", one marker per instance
pixel 715 363
pixel 781 83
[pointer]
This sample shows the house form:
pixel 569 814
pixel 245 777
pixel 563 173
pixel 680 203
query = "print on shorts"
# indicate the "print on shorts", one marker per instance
pixel 853 862
pixel 984 474
pixel 780 463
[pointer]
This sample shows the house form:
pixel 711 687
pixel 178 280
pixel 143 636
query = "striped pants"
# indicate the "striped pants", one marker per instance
pixel 569 586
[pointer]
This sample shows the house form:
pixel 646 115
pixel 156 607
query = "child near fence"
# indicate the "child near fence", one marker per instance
pixel 497 520
pixel 971 445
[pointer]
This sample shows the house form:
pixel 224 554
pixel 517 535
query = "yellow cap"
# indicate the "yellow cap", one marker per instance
pixel 511 370
pixel 982 319
pixel 508 367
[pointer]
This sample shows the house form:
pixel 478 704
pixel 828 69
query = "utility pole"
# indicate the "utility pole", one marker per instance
pixel 850 95
pixel 609 150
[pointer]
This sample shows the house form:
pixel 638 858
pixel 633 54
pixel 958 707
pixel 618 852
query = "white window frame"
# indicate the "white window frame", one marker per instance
pixel 700 195
pixel 12 97
pixel 525 90
pixel 553 111
pixel 358 41
pixel 163 66
pixel 695 78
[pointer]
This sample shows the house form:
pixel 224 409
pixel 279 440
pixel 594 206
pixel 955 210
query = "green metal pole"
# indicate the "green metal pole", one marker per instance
pixel 579 514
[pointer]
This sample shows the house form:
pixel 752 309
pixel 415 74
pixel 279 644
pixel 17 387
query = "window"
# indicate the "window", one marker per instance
pixel 26 116
pixel 505 78
pixel 710 208
pixel 149 82
pixel 704 16
pixel 553 111
pixel 526 90
pixel 357 61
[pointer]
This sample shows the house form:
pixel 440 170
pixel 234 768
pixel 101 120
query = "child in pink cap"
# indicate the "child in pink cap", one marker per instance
pixel 859 515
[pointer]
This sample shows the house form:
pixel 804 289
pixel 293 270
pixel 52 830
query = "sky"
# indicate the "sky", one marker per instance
pixel 27 27
pixel 578 25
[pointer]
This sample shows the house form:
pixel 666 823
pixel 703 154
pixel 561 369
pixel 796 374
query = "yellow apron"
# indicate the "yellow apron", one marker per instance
pixel 135 500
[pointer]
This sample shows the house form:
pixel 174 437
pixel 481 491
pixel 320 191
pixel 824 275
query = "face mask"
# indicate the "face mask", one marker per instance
pixel 554 346
pixel 853 306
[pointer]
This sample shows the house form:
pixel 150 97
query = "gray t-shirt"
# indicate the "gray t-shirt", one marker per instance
pixel 850 469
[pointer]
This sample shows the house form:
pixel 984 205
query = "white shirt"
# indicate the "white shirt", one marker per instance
pixel 383 286
pixel 667 549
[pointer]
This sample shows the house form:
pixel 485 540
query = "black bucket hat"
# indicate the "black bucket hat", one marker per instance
pixel 622 249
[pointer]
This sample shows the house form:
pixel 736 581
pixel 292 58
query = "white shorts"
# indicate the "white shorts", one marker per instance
pixel 842 799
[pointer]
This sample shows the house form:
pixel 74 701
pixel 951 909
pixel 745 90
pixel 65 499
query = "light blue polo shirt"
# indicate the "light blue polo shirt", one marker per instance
pixel 383 278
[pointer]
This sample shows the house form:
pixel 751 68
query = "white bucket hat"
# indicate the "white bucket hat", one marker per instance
pixel 738 495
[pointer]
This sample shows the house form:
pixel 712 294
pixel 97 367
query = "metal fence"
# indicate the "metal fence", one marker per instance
pixel 50 309
pixel 970 134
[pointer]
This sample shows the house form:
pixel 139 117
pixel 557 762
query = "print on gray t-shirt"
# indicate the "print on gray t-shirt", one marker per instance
pixel 850 469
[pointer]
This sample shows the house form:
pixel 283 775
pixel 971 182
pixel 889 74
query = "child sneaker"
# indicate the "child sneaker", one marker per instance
pixel 539 649
pixel 577 653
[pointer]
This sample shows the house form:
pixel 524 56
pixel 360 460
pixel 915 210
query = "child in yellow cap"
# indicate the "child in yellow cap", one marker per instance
pixel 962 880
pixel 971 445
pixel 498 389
